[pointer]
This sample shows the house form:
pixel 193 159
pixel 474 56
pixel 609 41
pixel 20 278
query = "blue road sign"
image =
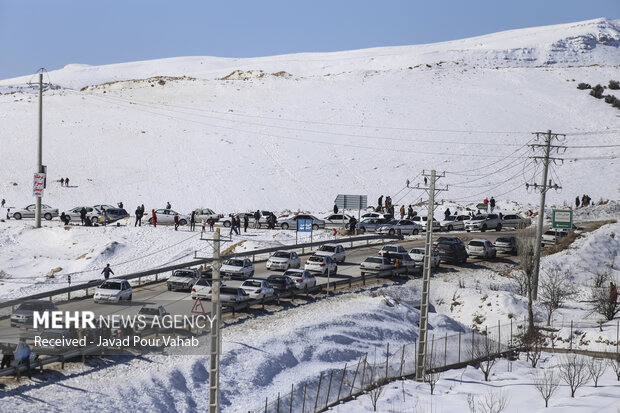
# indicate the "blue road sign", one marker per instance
pixel 304 225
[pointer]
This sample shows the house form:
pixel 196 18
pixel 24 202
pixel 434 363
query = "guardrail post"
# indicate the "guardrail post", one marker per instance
pixel 263 302
pixel 290 410
pixel 156 276
pixel 387 360
pixel 349 282
pixel 344 372
pixel 278 405
pixel 355 376
pixel 460 333
pixel 303 406
pixel 139 280
pixel 62 361
pixel 307 295
pixel 329 387
pixel 363 279
pixel 318 391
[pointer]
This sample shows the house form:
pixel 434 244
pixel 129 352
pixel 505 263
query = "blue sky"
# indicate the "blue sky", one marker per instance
pixel 54 33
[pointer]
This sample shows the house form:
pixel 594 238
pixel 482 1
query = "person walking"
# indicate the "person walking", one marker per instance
pixel 257 219
pixel 83 215
pixel 62 181
pixel 7 356
pixel 446 213
pixel 577 201
pixel 211 222
pixel 3 202
pixel 154 219
pixel 492 203
pixel 63 218
pixel 410 212
pixel 335 209
pixel 402 211
pixel 67 182
pixel 192 221
pixel 176 222
pixel 380 202
pixel 168 206
pixel 138 216
pixel 233 224
pixel 107 271
pixel 246 222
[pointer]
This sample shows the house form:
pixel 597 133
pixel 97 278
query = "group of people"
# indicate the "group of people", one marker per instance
pixel 385 206
pixel 8 356
pixel 490 203
pixel 64 181
pixel 585 201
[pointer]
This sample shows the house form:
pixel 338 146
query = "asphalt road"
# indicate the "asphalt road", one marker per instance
pixel 181 302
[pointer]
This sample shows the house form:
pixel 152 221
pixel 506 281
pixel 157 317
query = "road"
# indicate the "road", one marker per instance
pixel 181 302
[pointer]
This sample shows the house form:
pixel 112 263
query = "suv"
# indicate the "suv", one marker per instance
pixel 453 252
pixel 483 222
pixel 481 248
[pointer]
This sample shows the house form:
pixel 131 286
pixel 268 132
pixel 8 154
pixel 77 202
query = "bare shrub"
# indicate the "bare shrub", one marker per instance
pixel 596 368
pixel 601 277
pixel 471 403
pixel 610 99
pixel 376 382
pixel 547 382
pixel 574 372
pixel 431 375
pixel 604 303
pixel 522 282
pixel 493 402
pixel 615 366
pixel 482 349
pixel 532 342
pixel 556 287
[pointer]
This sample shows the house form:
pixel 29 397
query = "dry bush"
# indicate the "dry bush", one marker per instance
pixel 574 372
pixel 547 382
pixel 493 401
pixel 596 368
pixel 556 287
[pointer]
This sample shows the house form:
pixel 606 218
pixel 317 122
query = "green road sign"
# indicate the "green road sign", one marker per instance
pixel 562 218
pixel 482 206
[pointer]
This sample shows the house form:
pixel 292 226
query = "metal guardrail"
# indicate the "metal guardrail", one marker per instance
pixel 155 271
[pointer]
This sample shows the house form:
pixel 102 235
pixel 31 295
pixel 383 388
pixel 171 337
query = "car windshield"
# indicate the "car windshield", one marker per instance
pixel 417 251
pixel 149 311
pixel 504 239
pixel 445 245
pixel 202 282
pixel 109 285
pixel 550 233
pixel 31 307
pixel 234 262
pixel 293 273
pixel 277 279
pixel 391 222
pixel 184 273
pixel 228 290
pixel 252 284
pixel 476 243
pixel 315 259
pixel 282 254
pixel 450 218
pixel 390 248
pixel 328 248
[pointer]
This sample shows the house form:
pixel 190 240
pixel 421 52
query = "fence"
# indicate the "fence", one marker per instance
pixel 469 346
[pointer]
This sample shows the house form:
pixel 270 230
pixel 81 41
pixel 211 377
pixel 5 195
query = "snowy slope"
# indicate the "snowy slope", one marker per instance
pixel 295 140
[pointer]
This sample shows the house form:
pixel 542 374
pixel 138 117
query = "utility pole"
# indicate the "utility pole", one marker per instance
pixel 214 335
pixel 426 279
pixel 543 188
pixel 37 214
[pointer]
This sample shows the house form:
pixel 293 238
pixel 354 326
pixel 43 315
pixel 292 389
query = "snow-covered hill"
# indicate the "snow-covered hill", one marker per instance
pixel 293 131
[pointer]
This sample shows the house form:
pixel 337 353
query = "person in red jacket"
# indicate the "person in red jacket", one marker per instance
pixel 154 218
pixel 176 222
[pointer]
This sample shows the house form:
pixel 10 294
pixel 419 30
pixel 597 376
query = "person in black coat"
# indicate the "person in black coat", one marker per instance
pixel 335 209
pixel 83 214
pixel 192 221
pixel 257 219
pixel 107 271
pixel 246 222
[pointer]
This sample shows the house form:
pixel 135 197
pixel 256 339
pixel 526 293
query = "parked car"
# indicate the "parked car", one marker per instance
pixel 203 214
pixel 226 221
pixel 283 260
pixel 417 254
pixel 337 219
pixel 302 278
pixel 405 261
pixel 507 244
pixel 291 223
pixel 453 222
pixel 257 288
pixel 149 313
pixel 483 222
pixel 380 215
pixel 103 207
pixel 110 215
pixel 15 349
pixel 453 252
pixel 237 268
pixel 47 212
pixel 553 236
pixel 113 290
pixel 375 264
pixel 481 248
pixel 230 296
pixel 281 283
pixel 75 214
pixel 402 226
pixel 202 289
pixel 166 217
pixel 370 224
pixel 515 221
pixel 23 316
pixel 334 251
pixel 422 222
pixel 183 279
pixel 448 239
pixel 391 248
pixel 322 264
pixel 48 347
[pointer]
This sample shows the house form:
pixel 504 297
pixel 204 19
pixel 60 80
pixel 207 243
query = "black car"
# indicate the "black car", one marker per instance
pixel 449 239
pixel 453 252
pixel 281 283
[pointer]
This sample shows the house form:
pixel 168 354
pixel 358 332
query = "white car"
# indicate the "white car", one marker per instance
pixel 75 214
pixel 148 313
pixel 113 290
pixel 515 221
pixel 321 264
pixel 202 289
pixel 302 278
pixel 166 217
pixel 392 248
pixel 47 212
pixel 417 254
pixel 257 289
pixel 453 222
pixel 553 236
pixel 380 215
pixel 483 222
pixel 241 268
pixel 422 221
pixel 333 251
pixel 16 348
pixel 233 295
pixel 337 219
pixel 283 260
pixel 481 248
pixel 375 264
pixel 203 214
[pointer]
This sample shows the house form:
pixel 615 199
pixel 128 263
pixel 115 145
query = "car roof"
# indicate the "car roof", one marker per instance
pixel 115 280
pixel 391 245
pixel 478 239
pixel 331 244
pixel 155 306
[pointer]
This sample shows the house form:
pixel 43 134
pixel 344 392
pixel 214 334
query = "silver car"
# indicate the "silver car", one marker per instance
pixel 166 217
pixel 283 260
pixel 370 224
pixel 481 248
pixel 75 214
pixel 47 212
pixel 483 222
pixel 291 223
pixel 402 226
pixel 375 264
pixel 515 221
pixel 453 222
pixel 23 316
pixel 230 296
